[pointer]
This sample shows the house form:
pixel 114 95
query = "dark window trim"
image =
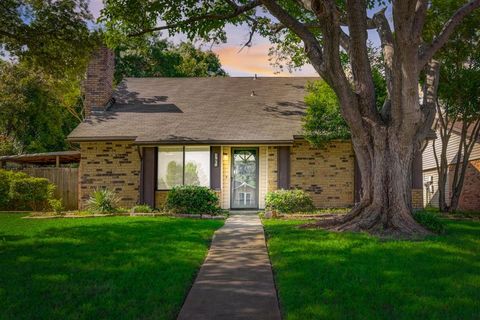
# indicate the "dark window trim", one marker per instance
pixel 283 167
pixel 183 169
pixel 215 171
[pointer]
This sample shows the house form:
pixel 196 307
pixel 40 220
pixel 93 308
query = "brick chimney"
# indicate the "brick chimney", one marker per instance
pixel 98 85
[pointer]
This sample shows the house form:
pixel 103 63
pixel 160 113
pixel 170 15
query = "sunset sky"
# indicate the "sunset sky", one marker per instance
pixel 249 61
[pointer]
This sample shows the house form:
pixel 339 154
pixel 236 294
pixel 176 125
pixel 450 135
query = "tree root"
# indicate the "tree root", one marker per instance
pixel 374 220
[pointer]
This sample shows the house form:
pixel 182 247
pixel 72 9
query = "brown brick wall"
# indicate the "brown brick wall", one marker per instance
pixel 470 197
pixel 98 85
pixel 327 174
pixel 272 165
pixel 113 165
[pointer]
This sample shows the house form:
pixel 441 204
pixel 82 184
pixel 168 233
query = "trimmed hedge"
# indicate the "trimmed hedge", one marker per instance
pixel 19 191
pixel 289 201
pixel 192 200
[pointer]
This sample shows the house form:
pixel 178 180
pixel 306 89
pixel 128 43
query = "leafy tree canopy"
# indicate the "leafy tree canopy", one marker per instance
pixel 51 34
pixel 46 45
pixel 34 114
pixel 459 86
pixel 323 121
pixel 156 57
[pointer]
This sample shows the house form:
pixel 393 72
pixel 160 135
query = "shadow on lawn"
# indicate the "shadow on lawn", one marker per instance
pixel 338 276
pixel 138 269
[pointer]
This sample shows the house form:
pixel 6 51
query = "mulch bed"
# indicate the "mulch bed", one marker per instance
pixel 298 216
pixel 146 214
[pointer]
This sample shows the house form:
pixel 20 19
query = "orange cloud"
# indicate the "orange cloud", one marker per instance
pixel 253 60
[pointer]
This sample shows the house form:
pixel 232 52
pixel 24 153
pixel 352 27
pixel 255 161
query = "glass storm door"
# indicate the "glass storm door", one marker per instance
pixel 244 179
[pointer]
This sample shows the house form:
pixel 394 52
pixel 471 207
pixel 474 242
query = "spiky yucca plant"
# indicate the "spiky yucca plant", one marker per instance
pixel 103 201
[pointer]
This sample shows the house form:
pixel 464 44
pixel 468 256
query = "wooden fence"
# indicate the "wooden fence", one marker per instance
pixel 66 180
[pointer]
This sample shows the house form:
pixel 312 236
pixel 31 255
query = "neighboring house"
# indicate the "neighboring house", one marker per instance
pixel 470 196
pixel 242 137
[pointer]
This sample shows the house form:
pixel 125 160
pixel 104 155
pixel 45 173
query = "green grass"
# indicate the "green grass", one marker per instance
pixel 464 214
pixel 99 268
pixel 326 275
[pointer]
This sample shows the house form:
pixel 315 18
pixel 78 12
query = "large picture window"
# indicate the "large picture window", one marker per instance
pixel 178 165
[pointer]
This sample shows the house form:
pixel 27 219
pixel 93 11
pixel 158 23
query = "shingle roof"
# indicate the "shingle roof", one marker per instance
pixel 200 110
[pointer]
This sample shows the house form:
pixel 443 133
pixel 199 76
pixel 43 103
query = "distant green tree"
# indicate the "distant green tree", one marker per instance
pixel 46 46
pixel 155 57
pixel 7 146
pixel 52 35
pixel 33 117
pixel 323 121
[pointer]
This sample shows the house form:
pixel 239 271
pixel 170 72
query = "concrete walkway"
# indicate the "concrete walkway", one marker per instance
pixel 236 280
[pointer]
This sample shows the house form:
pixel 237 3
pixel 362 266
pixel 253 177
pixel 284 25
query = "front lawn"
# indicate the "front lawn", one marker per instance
pixel 326 275
pixel 99 268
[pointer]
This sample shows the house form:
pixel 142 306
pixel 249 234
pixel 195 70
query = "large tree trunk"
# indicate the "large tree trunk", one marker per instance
pixel 385 207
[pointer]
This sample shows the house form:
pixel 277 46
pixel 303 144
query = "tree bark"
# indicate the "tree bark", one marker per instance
pixel 385 206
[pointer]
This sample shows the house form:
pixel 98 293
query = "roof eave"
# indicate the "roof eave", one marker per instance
pixel 92 139
pixel 214 142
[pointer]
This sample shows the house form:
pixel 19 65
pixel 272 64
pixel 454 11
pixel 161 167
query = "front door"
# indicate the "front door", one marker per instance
pixel 244 178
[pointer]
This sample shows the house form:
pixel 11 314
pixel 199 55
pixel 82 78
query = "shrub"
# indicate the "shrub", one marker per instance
pixel 56 205
pixel 192 199
pixel 6 178
pixel 289 201
pixel 4 189
pixel 103 201
pixel 142 208
pixel 19 191
pixel 28 193
pixel 430 221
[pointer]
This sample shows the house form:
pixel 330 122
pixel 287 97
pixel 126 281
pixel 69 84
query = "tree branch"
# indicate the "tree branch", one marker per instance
pixel 420 13
pixel 429 97
pixel 360 63
pixel 312 47
pixel 428 52
pixel 328 18
pixel 253 29
pixel 277 27
pixel 386 39
pixel 344 40
pixel 238 10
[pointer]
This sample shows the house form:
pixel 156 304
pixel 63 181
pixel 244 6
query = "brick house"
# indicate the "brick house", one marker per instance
pixel 242 137
pixel 470 196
